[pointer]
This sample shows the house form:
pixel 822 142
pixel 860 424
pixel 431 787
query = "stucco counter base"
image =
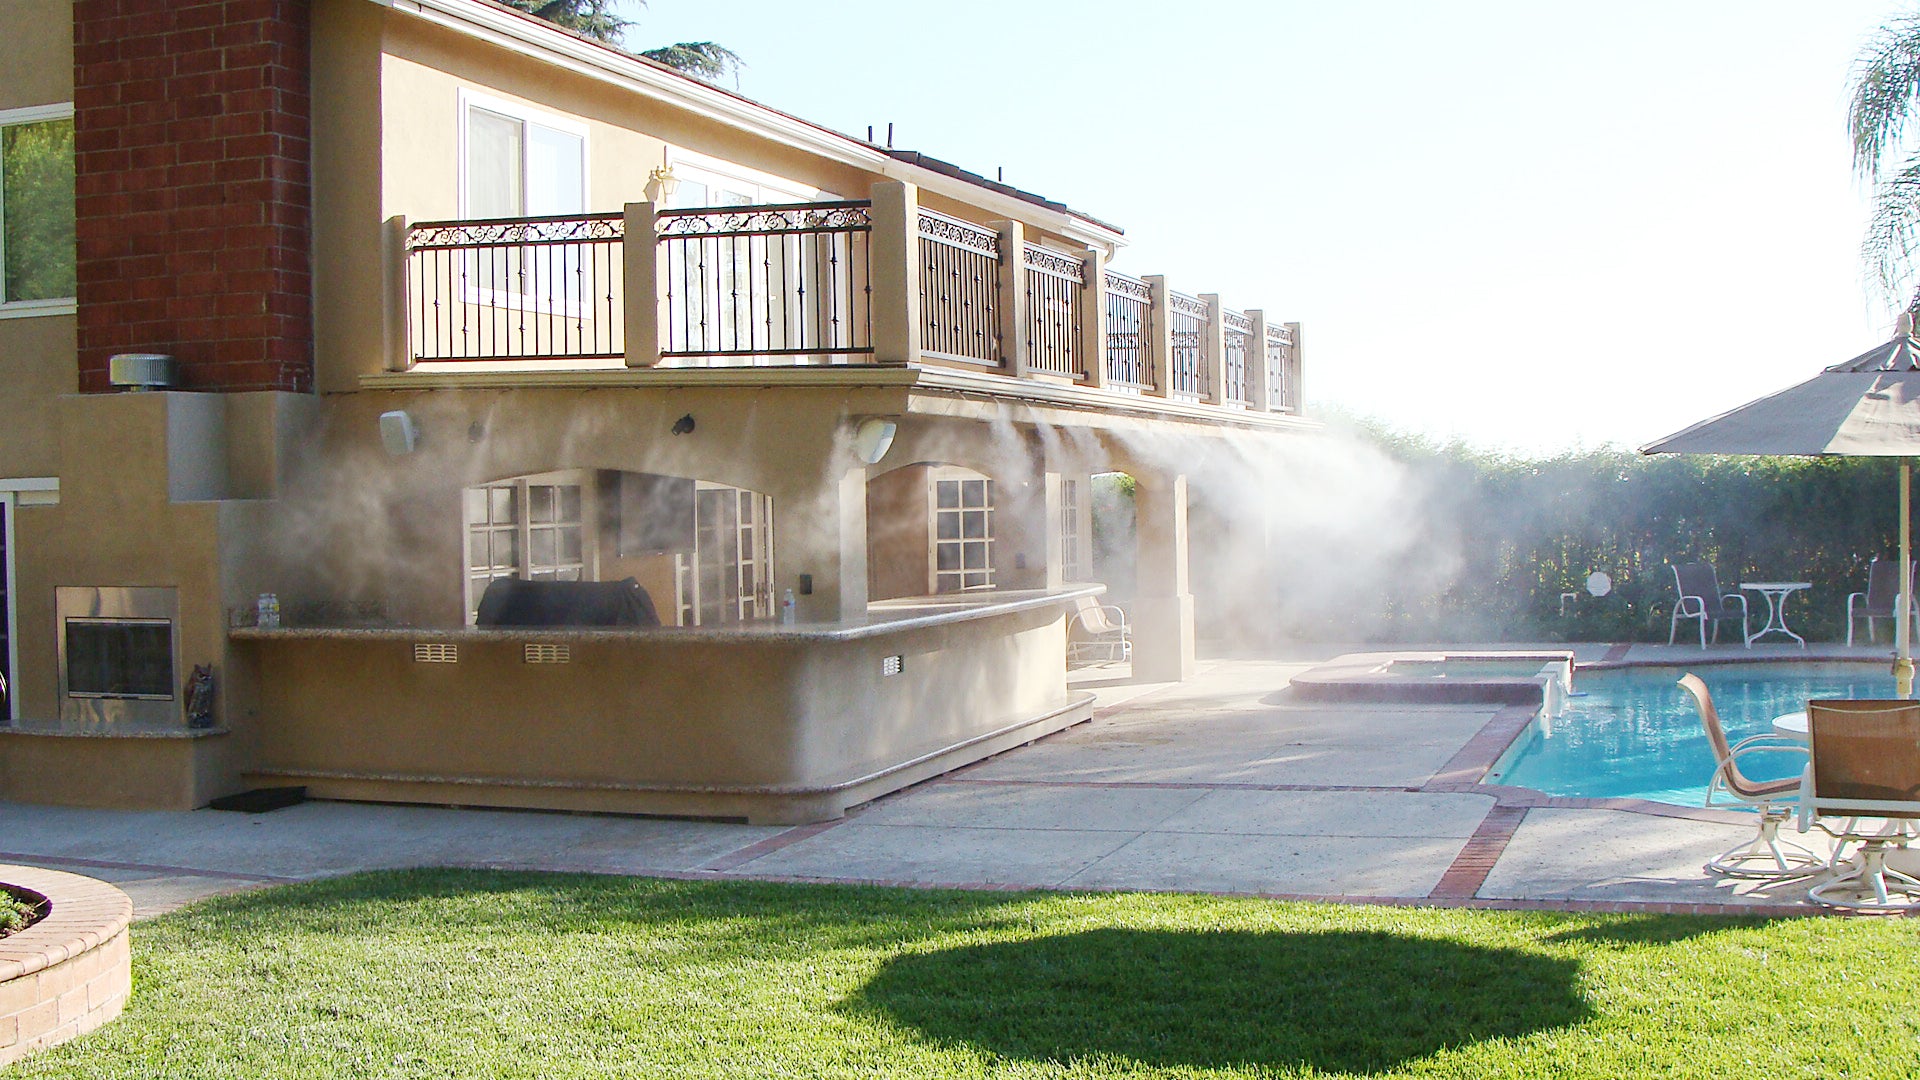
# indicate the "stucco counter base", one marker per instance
pixel 777 725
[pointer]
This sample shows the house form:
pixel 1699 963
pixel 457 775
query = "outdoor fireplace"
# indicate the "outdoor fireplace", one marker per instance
pixel 119 656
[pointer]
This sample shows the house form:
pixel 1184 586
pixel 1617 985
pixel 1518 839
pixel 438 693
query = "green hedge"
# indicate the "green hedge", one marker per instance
pixel 1514 534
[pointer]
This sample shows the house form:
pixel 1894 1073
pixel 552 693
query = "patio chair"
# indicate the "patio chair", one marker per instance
pixel 1699 597
pixel 1865 771
pixel 1098 630
pixel 1766 855
pixel 1879 601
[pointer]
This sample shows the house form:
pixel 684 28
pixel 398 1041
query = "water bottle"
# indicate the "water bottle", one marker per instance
pixel 267 610
pixel 787 611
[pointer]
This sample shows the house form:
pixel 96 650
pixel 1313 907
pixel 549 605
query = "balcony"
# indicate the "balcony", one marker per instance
pixel 878 282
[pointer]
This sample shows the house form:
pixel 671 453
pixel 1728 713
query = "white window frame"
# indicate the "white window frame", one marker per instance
pixel 1070 495
pixel 526 114
pixel 962 476
pixel 26 309
pixel 38 491
pixel 524 526
pixel 717 172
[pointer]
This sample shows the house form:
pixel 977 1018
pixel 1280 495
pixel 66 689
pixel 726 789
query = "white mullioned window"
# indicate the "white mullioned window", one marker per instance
pixel 731 576
pixel 1070 566
pixel 36 211
pixel 535 528
pixel 962 531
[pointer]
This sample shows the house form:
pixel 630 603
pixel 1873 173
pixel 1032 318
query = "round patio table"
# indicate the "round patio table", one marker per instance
pixel 1776 593
pixel 1793 725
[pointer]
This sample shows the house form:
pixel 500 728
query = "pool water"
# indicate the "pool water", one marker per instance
pixel 1633 733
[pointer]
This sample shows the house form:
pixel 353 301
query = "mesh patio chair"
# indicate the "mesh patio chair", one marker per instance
pixel 1097 630
pixel 1866 773
pixel 1766 855
pixel 1698 596
pixel 1880 599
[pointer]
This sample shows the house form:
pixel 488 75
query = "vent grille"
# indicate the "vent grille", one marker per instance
pixel 436 653
pixel 548 654
pixel 890 665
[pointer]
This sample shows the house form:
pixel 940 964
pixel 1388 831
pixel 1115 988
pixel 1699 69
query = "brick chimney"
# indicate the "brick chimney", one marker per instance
pixel 191 137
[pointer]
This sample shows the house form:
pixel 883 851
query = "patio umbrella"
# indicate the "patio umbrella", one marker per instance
pixel 1866 407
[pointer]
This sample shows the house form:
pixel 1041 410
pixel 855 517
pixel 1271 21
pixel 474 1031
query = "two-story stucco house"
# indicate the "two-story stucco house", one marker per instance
pixel 371 304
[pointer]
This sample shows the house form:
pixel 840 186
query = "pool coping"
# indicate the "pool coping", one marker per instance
pixel 1361 676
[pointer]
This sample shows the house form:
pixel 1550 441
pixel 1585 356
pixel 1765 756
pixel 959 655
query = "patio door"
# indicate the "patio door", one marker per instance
pixel 732 555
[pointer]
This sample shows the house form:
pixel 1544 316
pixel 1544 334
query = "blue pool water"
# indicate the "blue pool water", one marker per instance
pixel 1635 734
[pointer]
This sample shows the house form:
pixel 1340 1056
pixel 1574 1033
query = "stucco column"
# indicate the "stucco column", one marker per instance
pixel 1260 390
pixel 1296 372
pixel 1159 343
pixel 1093 319
pixel 1016 346
pixel 1213 348
pixel 1162 615
pixel 894 269
pixel 823 534
pixel 397 288
pixel 642 299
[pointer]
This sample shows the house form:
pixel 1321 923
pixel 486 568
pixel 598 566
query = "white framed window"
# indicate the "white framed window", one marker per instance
pixel 36 211
pixel 9 644
pixel 517 161
pixel 962 531
pixel 730 578
pixel 1071 568
pixel 536 528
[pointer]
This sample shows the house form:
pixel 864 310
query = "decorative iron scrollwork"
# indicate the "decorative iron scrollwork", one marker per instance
pixel 958 233
pixel 761 220
pixel 1188 305
pixel 510 232
pixel 1133 288
pixel 1234 320
pixel 1052 262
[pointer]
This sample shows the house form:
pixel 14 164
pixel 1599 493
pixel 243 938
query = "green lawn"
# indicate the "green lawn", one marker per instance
pixel 470 974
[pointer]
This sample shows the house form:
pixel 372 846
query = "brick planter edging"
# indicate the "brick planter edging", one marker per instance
pixel 68 973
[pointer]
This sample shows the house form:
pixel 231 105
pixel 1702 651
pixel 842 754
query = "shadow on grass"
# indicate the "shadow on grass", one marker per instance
pixel 1655 930
pixel 1345 1001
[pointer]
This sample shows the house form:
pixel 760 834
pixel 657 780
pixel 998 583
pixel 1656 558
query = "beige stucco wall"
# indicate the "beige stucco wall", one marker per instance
pixel 36 67
pixel 762 726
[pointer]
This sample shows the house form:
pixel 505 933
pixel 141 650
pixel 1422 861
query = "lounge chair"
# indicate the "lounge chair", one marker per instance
pixel 1699 597
pixel 1097 630
pixel 1866 773
pixel 1880 599
pixel 1766 855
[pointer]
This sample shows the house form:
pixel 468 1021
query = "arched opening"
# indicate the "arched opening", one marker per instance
pixel 701 550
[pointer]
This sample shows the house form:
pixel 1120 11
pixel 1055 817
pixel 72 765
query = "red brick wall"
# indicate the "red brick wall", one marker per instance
pixel 191 127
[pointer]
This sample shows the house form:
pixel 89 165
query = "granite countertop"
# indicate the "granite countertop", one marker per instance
pixel 882 617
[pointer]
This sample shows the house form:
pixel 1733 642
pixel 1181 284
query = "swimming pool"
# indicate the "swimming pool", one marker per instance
pixel 1632 733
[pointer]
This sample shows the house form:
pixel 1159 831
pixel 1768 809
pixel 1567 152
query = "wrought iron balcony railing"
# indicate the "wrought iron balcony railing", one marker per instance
pixel 827 283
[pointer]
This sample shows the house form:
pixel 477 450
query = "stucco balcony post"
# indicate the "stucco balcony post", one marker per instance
pixel 643 302
pixel 1259 386
pixel 1093 319
pixel 1016 346
pixel 1213 349
pixel 1295 371
pixel 1162 614
pixel 894 252
pixel 823 534
pixel 399 338
pixel 1159 342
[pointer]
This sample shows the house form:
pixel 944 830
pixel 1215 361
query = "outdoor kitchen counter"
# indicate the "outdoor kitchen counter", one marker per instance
pixel 775 724
pixel 883 617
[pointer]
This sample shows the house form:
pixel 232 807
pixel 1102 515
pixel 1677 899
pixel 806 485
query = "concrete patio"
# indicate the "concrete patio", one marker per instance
pixel 1220 784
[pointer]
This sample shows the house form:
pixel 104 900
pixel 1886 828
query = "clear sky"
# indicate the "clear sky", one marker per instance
pixel 1533 225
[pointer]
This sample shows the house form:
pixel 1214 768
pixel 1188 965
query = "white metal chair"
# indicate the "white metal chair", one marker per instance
pixel 1766 855
pixel 1698 596
pixel 1097 630
pixel 1865 771
pixel 1880 601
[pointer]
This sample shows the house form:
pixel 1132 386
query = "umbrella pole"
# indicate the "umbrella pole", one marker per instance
pixel 1902 632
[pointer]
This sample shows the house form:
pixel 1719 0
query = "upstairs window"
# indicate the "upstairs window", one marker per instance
pixel 36 210
pixel 521 163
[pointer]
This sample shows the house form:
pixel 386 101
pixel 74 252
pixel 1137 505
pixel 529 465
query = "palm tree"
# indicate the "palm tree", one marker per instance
pixel 1886 100
pixel 596 19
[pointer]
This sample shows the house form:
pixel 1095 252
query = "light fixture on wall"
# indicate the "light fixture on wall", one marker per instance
pixel 684 425
pixel 397 432
pixel 873 438
pixel 663 181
